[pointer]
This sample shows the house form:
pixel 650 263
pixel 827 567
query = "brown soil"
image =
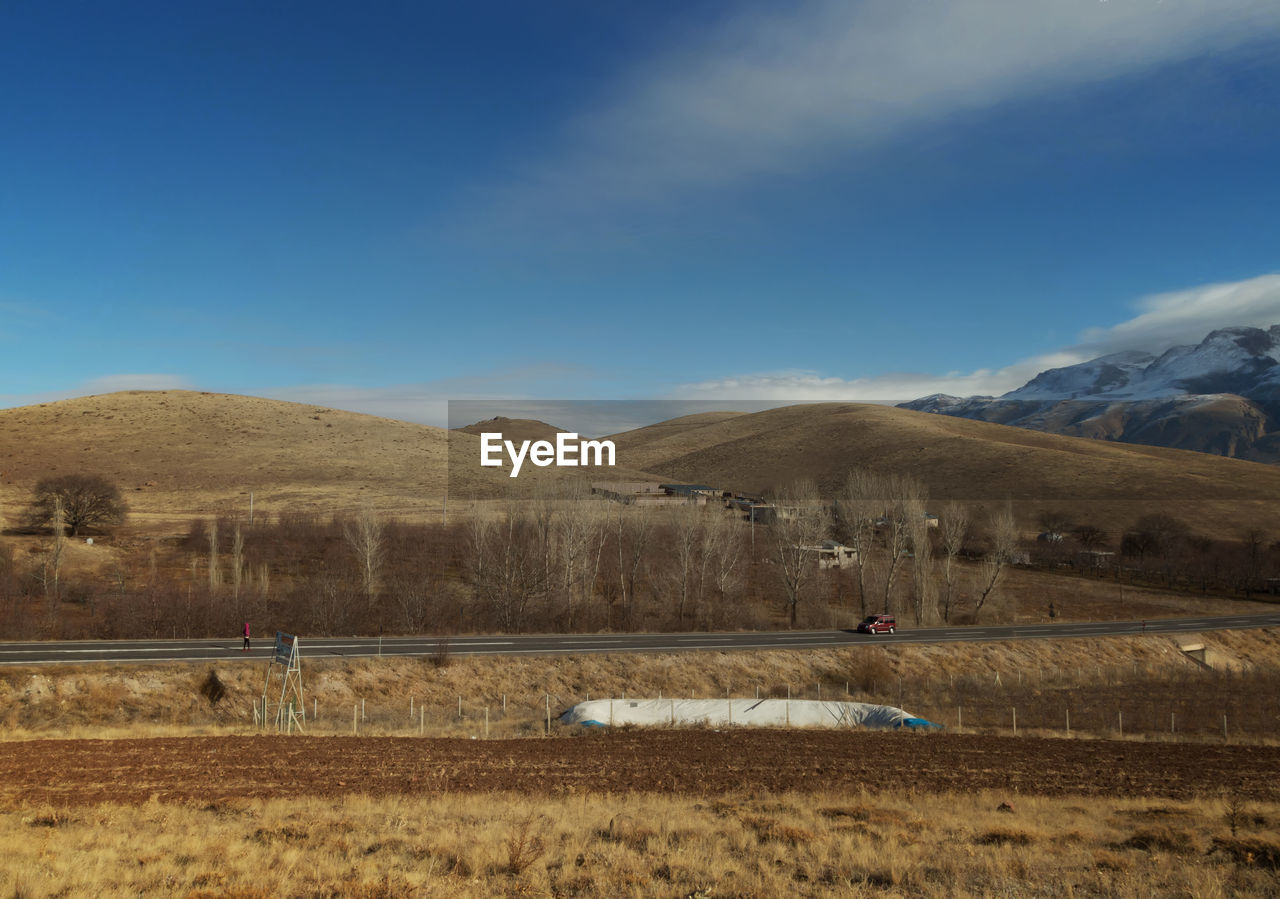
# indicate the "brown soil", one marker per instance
pixel 692 762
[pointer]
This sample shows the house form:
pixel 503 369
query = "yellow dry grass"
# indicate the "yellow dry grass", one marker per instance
pixel 407 696
pixel 845 843
pixel 1107 484
pixel 179 454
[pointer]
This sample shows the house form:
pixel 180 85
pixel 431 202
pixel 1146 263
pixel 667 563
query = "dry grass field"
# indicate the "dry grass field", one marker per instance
pixel 183 454
pixel 818 843
pixel 1108 484
pixel 128 780
pixel 158 791
pixel 1146 679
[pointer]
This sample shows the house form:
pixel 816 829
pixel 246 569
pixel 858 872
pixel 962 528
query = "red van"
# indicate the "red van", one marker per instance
pixel 877 624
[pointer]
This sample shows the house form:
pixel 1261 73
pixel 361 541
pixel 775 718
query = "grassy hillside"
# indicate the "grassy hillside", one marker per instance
pixel 179 454
pixel 1109 484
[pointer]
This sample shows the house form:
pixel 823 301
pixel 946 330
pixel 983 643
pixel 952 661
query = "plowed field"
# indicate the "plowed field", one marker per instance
pixel 698 763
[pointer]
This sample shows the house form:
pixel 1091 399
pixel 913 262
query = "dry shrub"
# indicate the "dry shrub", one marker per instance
pixel 271 836
pixel 627 831
pixel 1106 860
pixel 1251 852
pixel 865 814
pixel 524 844
pixel 1003 836
pixel 870 672
pixel 213 689
pixel 1162 838
pixel 51 818
pixel 768 830
pixel 386 888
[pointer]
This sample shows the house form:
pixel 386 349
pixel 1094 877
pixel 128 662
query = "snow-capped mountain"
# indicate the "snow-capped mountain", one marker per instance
pixel 1221 396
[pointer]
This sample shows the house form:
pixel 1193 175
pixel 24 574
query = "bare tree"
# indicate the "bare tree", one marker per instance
pixel 632 530
pixel 915 499
pixel 87 500
pixel 801 521
pixel 954 524
pixel 859 506
pixel 685 527
pixel 507 565
pixel 52 564
pixel 1004 544
pixel 237 562
pixel 215 569
pixel 1053 523
pixel 722 550
pixel 895 528
pixel 579 536
pixel 366 536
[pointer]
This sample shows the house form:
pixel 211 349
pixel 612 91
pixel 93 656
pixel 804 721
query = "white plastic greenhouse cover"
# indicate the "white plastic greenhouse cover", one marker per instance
pixel 739 712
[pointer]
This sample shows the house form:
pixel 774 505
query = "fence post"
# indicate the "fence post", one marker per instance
pixel 486 722
pixel 1015 722
pixel 362 708
pixel 1224 725
pixel 422 720
pixel 959 718
pixel 548 714
pixel 1121 723
pixel 355 719
pixel 1068 722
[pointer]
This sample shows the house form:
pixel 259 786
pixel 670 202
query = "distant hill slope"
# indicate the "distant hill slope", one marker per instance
pixel 1105 483
pixel 180 454
pixel 177 453
pixel 515 429
pixel 1220 396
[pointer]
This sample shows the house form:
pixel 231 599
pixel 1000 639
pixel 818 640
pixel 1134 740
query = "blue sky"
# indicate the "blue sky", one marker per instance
pixel 384 208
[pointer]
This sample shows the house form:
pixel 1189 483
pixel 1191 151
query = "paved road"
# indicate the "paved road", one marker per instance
pixel 129 651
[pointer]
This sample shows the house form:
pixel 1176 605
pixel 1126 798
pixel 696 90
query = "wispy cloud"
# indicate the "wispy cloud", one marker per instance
pixel 1185 316
pixel 776 91
pixel 1164 320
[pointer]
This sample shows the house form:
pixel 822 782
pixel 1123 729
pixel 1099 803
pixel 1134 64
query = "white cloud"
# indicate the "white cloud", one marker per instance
pixel 1164 320
pixel 1186 316
pixel 772 91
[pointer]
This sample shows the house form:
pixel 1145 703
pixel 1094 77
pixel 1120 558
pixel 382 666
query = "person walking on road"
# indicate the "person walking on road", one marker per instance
pixel 246 637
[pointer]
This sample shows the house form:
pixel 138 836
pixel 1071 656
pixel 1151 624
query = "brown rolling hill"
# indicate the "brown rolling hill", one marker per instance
pixel 181 454
pixel 1106 484
pixel 177 454
pixel 516 429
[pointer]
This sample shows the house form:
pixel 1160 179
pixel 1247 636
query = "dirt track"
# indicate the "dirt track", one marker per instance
pixel 689 762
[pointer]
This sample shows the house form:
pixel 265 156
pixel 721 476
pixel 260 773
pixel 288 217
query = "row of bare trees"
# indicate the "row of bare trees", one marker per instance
pixel 567 561
pixel 883 517
pixel 564 554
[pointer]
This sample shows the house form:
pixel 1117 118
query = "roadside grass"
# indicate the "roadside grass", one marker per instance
pixel 851 843
pixel 1130 687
